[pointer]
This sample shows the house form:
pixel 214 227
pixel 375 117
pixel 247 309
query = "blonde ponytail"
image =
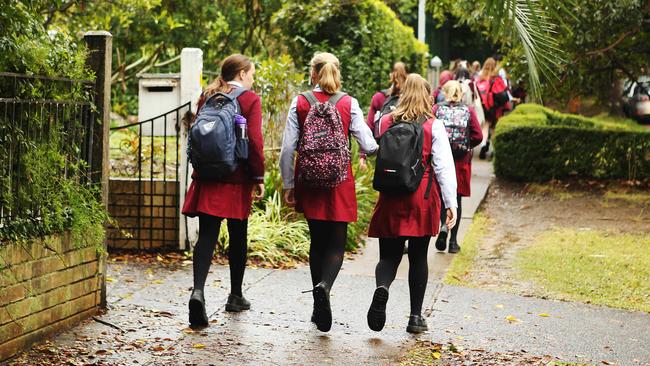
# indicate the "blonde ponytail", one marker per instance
pixel 326 66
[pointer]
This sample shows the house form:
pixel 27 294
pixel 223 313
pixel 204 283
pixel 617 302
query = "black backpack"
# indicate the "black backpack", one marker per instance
pixel 388 106
pixel 213 147
pixel 399 167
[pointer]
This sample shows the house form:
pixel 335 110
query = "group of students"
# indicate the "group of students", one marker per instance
pixel 316 170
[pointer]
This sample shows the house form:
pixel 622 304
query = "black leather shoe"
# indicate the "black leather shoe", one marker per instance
pixel 377 311
pixel 417 324
pixel 322 310
pixel 483 153
pixel 454 247
pixel 441 241
pixel 198 317
pixel 237 303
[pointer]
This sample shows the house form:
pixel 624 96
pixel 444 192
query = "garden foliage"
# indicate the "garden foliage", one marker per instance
pixel 365 35
pixel 536 144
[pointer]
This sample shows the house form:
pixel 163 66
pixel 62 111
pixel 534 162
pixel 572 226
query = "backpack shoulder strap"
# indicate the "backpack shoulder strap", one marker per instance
pixel 311 98
pixel 334 99
pixel 427 193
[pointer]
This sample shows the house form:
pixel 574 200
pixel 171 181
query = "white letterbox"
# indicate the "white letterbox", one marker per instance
pixel 159 94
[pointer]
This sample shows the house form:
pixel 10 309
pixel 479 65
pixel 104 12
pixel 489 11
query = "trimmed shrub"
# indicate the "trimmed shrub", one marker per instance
pixel 365 35
pixel 535 143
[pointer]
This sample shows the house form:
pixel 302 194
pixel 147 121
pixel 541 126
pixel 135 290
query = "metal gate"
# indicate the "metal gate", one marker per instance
pixel 144 189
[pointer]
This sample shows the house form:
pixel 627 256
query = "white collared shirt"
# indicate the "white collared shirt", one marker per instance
pixel 235 83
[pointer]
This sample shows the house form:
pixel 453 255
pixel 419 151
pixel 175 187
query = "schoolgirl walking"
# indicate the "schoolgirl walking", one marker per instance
pixel 226 151
pixel 414 153
pixel 320 184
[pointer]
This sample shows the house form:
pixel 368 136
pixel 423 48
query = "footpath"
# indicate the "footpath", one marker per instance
pixel 146 321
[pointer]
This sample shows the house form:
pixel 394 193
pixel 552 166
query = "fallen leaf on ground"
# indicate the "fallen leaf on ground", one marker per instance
pixel 198 346
pixel 498 306
pixel 544 315
pixel 512 319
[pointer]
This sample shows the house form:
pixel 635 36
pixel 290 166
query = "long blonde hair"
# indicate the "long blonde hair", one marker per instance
pixel 397 78
pixel 453 91
pixel 326 66
pixel 230 68
pixel 489 69
pixel 415 100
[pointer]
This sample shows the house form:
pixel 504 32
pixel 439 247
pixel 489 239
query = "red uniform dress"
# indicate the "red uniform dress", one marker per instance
pixel 375 105
pixel 409 215
pixel 327 204
pixel 464 165
pixel 232 198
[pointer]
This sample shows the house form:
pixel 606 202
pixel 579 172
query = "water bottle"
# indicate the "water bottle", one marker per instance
pixel 241 146
pixel 240 127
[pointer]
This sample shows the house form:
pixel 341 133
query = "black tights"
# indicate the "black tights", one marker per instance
pixel 391 252
pixel 204 250
pixel 443 218
pixel 328 240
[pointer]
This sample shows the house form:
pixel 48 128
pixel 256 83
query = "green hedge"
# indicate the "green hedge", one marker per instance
pixel 365 35
pixel 535 143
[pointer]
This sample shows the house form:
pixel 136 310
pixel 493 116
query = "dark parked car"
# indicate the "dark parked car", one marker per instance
pixel 636 99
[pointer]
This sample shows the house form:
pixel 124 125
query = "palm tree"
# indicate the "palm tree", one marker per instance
pixel 531 24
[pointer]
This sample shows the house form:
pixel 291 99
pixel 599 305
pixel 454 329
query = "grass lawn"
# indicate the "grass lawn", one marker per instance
pixel 463 261
pixel 590 266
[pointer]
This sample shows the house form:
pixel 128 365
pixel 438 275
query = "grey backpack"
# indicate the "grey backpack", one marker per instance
pixel 213 145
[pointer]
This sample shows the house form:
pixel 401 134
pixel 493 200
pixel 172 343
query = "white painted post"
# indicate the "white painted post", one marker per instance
pixel 191 71
pixel 421 20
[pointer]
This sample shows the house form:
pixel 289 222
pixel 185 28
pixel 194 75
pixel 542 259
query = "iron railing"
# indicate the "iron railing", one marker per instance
pixel 32 108
pixel 145 172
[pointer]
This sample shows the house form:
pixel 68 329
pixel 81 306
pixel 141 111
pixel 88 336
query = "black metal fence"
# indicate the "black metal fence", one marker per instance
pixel 32 109
pixel 144 183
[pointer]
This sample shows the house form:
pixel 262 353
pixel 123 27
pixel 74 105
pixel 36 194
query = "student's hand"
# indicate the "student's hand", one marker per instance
pixel 362 164
pixel 289 197
pixel 451 218
pixel 258 191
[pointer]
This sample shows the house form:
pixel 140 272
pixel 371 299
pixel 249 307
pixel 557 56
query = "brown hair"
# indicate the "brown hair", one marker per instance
pixel 489 69
pixel 397 78
pixel 415 100
pixel 326 66
pixel 230 68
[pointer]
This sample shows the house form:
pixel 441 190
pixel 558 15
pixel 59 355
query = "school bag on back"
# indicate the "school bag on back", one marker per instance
pixel 389 105
pixel 399 168
pixel 323 151
pixel 456 119
pixel 213 146
pixel 483 86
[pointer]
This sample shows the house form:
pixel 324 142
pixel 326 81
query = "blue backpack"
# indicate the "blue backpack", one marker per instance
pixel 213 147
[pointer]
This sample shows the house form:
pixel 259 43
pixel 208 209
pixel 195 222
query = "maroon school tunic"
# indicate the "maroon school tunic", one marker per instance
pixel 375 105
pixel 409 214
pixel 232 198
pixel 328 204
pixel 464 164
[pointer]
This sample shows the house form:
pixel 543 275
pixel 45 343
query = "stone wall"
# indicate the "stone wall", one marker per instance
pixel 146 213
pixel 45 286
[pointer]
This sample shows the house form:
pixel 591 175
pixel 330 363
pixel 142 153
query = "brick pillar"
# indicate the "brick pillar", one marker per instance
pixel 100 45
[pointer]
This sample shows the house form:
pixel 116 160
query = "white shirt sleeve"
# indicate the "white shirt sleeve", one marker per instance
pixel 360 130
pixel 289 145
pixel 443 164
